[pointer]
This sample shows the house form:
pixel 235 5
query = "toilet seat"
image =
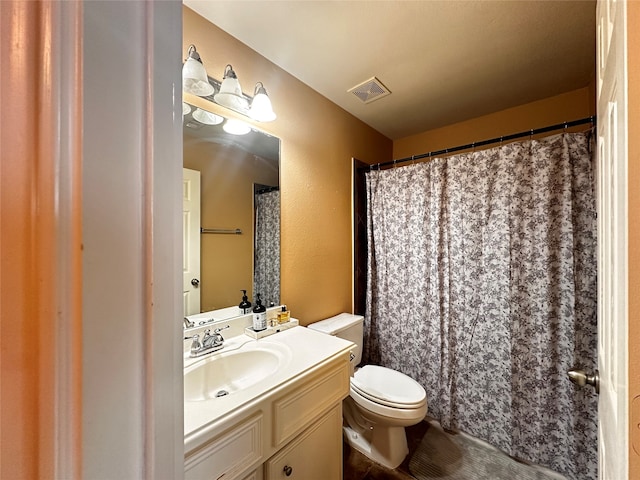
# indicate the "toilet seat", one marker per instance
pixel 392 415
pixel 388 387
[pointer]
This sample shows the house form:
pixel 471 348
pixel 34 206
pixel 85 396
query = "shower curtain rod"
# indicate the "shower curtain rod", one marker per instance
pixel 528 133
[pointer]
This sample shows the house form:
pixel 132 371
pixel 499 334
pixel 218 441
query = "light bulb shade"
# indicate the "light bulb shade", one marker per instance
pixel 185 108
pixel 236 127
pixel 207 118
pixel 261 109
pixel 194 75
pixel 230 94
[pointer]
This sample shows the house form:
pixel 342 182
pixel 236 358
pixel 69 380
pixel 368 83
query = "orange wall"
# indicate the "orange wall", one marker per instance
pixel 633 59
pixel 549 111
pixel 20 374
pixel 227 176
pixel 315 171
pixel 40 285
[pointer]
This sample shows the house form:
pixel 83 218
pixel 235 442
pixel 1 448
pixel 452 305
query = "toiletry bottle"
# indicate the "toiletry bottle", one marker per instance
pixel 259 315
pixel 284 315
pixel 245 304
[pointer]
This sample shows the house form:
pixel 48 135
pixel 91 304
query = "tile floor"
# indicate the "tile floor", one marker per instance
pixel 358 467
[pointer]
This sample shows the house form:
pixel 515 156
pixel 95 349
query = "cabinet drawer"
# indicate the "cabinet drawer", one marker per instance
pixel 294 411
pixel 314 455
pixel 229 454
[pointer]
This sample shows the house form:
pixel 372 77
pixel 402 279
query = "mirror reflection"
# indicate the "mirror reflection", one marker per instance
pixel 231 215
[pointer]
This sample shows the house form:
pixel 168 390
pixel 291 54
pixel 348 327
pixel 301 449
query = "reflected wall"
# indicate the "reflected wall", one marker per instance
pixel 228 175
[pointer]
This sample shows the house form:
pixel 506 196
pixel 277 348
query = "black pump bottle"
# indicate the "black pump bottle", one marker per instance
pixel 245 304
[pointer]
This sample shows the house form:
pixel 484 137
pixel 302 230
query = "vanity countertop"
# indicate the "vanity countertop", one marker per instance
pixel 305 349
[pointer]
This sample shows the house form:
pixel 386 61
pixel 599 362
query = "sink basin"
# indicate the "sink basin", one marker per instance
pixel 226 373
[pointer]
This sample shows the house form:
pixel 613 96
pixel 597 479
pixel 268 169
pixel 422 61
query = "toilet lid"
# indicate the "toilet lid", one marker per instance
pixel 388 387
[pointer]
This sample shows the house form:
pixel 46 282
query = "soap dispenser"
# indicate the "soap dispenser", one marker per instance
pixel 245 304
pixel 259 315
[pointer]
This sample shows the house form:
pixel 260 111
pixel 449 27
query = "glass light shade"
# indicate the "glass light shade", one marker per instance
pixel 230 94
pixel 194 78
pixel 261 109
pixel 236 127
pixel 185 108
pixel 207 118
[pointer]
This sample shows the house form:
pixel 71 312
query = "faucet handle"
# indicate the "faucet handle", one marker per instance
pixel 195 345
pixel 217 332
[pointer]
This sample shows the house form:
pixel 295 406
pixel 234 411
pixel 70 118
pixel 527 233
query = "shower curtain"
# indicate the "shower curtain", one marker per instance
pixel 482 287
pixel 266 268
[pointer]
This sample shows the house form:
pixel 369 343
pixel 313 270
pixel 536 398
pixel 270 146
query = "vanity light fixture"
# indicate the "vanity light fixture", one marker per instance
pixel 230 94
pixel 261 109
pixel 194 75
pixel 207 118
pixel 196 82
pixel 236 127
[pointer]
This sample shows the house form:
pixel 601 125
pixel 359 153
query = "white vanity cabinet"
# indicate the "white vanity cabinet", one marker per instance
pixel 292 431
pixel 255 475
pixel 314 454
pixel 228 454
pixel 307 426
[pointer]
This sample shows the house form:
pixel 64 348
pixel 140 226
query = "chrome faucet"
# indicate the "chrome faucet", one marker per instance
pixel 210 343
pixel 188 323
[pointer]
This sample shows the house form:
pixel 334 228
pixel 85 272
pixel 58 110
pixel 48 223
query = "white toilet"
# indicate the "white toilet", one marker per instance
pixel 382 401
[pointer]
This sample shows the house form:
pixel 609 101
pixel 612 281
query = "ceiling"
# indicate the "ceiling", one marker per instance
pixel 443 61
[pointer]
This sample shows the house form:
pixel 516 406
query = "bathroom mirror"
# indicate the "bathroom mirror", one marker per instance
pixel 239 213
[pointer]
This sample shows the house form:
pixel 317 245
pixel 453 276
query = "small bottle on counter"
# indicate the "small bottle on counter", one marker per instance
pixel 284 315
pixel 259 315
pixel 245 304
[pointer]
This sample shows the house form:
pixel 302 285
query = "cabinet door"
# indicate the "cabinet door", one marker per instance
pixel 316 454
pixel 228 455
pixel 255 475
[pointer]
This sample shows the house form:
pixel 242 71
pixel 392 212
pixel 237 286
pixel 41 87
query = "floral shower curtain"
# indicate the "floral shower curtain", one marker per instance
pixel 266 268
pixel 482 287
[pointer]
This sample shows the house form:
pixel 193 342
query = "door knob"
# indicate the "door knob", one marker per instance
pixel 287 470
pixel 581 378
pixel 195 282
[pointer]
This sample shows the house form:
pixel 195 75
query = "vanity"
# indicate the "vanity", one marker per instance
pixel 267 408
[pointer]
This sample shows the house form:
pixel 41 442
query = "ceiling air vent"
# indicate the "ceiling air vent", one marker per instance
pixel 370 90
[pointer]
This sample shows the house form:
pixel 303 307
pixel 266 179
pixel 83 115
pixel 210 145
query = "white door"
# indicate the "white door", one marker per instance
pixel 611 175
pixel 191 240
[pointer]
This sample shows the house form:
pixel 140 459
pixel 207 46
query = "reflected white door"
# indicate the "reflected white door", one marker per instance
pixel 611 175
pixel 191 240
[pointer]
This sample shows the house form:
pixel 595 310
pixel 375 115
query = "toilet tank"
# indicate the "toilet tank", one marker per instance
pixel 346 326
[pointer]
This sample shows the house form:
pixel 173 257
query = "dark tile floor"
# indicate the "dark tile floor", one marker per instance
pixel 358 467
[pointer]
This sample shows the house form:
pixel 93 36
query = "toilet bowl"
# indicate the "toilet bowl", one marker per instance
pixel 381 401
